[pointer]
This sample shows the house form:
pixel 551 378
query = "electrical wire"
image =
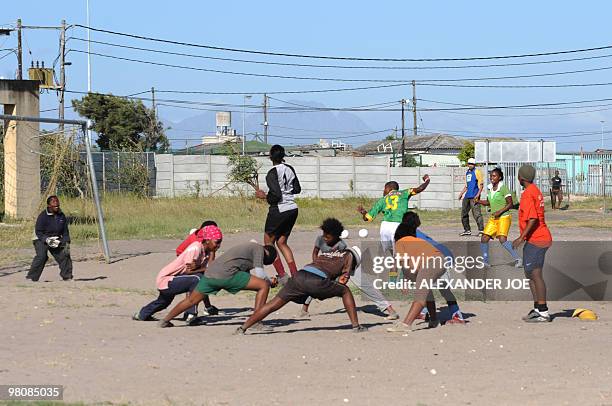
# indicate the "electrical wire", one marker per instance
pixel 160 51
pixel 527 55
pixel 401 81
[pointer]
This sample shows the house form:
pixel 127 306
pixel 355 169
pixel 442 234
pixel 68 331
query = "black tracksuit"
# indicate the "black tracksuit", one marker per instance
pixel 51 225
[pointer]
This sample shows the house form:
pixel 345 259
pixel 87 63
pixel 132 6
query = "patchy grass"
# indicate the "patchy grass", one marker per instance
pixel 130 217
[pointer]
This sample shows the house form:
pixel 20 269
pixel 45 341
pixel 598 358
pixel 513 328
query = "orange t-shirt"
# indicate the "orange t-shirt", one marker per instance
pixel 416 247
pixel 532 207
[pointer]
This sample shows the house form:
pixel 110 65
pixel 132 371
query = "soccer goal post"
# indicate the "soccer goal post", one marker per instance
pixel 83 126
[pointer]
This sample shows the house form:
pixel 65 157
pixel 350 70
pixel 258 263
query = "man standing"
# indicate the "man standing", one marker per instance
pixel 51 236
pixel 556 195
pixel 471 195
pixel 537 238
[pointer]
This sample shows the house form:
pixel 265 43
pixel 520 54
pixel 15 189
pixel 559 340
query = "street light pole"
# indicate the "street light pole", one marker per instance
pixel 602 144
pixel 244 99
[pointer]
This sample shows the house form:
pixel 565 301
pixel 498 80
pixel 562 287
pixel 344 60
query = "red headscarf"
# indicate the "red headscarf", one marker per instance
pixel 210 233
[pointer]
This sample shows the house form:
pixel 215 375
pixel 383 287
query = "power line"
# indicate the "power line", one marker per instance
pixel 518 86
pixel 349 89
pixel 160 51
pixel 399 81
pixel 527 55
pixel 365 108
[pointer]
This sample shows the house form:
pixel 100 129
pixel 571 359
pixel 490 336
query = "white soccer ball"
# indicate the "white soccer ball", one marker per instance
pixel 363 233
pixel 344 234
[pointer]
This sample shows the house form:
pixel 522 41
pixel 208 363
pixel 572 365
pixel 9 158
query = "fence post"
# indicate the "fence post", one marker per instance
pixel 354 178
pixel 172 175
pixel 119 170
pixel 318 177
pixel 209 174
pixel 573 190
pixel 104 172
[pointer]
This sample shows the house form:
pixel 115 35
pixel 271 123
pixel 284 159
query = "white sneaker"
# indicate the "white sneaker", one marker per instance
pixel 399 327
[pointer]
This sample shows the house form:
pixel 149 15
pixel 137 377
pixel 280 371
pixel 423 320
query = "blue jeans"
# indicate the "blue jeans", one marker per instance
pixel 179 284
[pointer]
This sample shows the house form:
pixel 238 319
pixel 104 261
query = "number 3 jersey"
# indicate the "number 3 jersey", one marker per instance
pixel 393 206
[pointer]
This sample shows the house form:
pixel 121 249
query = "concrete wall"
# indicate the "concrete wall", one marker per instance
pixel 21 148
pixel 333 177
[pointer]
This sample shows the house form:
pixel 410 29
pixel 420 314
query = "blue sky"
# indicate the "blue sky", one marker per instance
pixel 342 28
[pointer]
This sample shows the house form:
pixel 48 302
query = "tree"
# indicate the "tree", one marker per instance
pixel 466 152
pixel 391 137
pixel 410 161
pixel 122 123
pixel 242 168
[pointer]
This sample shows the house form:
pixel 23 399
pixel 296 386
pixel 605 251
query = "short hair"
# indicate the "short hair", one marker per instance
pixel 277 153
pixel 392 184
pixel 408 226
pixel 499 172
pixel 332 226
pixel 52 197
pixel 208 223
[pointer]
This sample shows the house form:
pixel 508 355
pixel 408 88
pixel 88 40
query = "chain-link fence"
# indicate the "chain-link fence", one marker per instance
pixel 118 171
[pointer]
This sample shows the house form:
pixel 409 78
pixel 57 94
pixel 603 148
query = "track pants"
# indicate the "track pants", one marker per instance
pixel 179 284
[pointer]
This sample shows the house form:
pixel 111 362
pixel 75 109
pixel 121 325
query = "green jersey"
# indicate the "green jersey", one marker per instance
pixel 393 206
pixel 497 198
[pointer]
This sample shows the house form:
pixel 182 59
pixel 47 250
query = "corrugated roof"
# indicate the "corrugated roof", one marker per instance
pixel 435 142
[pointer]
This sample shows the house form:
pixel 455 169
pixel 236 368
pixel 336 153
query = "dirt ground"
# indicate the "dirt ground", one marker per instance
pixel 80 334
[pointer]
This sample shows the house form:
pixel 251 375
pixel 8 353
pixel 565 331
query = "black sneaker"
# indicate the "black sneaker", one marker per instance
pixel 28 277
pixel 67 279
pixel 165 324
pixel 212 310
pixel 466 232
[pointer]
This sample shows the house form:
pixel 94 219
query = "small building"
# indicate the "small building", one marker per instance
pixel 428 150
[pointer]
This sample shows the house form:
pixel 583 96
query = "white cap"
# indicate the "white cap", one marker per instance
pixel 471 161
pixel 356 252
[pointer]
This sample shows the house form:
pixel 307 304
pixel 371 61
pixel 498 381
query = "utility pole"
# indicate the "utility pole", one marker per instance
pixel 403 102
pixel 414 111
pixel 154 115
pixel 19 52
pixel 62 73
pixel 265 123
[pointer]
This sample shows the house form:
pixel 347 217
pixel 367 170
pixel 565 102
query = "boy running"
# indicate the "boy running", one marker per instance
pixel 231 272
pixel 283 185
pixel 500 200
pixel 537 238
pixel 317 280
pixel 393 205
pixel 331 241
pixel 182 275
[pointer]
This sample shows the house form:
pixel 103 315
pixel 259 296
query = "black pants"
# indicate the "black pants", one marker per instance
pixel 61 255
pixel 466 205
pixel 179 284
